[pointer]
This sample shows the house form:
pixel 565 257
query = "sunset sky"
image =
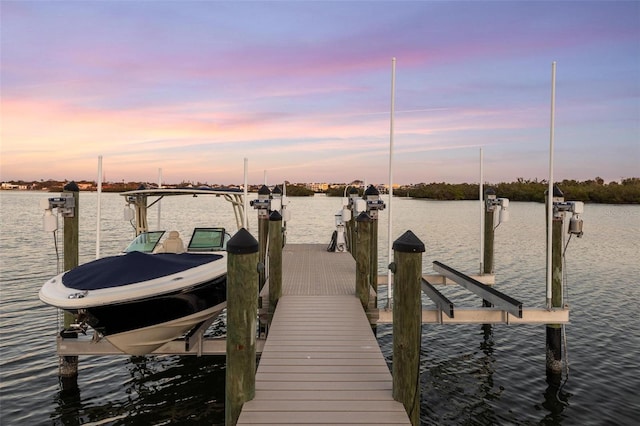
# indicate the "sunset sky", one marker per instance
pixel 303 90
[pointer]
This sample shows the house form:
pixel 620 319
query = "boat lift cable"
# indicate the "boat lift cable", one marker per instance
pixel 59 316
pixel 565 298
pixel 55 244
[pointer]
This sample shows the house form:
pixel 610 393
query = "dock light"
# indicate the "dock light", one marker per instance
pixel 374 203
pixel 263 203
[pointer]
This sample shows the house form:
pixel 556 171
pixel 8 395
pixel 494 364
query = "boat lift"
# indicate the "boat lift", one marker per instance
pixel 138 199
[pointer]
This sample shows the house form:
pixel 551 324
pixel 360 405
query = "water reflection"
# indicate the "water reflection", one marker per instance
pixel 68 404
pixel 556 400
pixel 160 390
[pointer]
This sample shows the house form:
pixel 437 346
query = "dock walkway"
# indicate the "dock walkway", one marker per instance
pixel 321 363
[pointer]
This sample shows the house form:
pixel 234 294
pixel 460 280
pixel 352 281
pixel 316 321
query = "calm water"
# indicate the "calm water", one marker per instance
pixel 468 376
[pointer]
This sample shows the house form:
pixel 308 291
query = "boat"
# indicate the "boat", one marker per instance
pixel 156 290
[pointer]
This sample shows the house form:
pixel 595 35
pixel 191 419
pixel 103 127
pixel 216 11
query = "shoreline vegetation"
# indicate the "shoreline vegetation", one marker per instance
pixel 627 191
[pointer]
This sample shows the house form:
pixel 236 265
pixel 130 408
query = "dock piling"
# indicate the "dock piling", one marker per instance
pixel 363 257
pixel 407 323
pixel 242 306
pixel 68 365
pixel 374 204
pixel 275 261
pixel 554 331
pixel 262 205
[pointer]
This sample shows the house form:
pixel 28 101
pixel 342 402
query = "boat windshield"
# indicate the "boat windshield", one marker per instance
pixel 207 239
pixel 145 242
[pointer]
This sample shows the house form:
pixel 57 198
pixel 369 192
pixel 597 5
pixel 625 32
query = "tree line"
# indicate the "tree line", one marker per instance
pixel 589 191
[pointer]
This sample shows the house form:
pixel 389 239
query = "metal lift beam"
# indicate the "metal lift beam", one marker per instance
pixel 490 294
pixel 444 304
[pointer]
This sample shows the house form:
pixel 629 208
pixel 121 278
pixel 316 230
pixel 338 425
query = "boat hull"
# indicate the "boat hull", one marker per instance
pixel 141 301
pixel 145 340
pixel 140 327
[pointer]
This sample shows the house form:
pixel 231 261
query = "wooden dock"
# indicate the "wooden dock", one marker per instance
pixel 321 363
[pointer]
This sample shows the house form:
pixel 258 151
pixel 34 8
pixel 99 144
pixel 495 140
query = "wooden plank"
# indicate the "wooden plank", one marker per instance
pixel 324 386
pixel 327 368
pixel 308 405
pixel 315 395
pixel 315 355
pixel 322 417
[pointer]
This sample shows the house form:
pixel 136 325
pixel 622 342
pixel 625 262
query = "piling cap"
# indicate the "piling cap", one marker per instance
pixel 275 216
pixel 264 190
pixel 242 243
pixel 71 187
pixel 364 217
pixel 371 190
pixel 489 193
pixel 277 190
pixel 408 243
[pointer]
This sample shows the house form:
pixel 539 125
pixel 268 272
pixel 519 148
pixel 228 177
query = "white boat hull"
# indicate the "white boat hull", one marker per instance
pixel 145 340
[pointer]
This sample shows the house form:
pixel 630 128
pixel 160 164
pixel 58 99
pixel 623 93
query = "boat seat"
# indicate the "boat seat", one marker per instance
pixel 173 243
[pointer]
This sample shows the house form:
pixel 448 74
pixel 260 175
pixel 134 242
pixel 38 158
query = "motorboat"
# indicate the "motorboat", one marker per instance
pixel 158 289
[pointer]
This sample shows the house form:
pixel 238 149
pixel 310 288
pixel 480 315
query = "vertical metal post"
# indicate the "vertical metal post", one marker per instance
pixel 242 307
pixel 407 323
pixel 99 207
pixel 390 214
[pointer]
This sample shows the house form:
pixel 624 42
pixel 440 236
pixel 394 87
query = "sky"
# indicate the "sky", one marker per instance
pixel 303 90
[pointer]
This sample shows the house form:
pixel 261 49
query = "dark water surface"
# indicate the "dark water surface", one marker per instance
pixel 469 375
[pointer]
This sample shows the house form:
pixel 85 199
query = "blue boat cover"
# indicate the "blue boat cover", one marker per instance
pixel 133 267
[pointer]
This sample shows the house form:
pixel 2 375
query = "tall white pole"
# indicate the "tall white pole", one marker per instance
pixel 98 213
pixel 481 212
pixel 390 251
pixel 160 201
pixel 246 194
pixel 550 190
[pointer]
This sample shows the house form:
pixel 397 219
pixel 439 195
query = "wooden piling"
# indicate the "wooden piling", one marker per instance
pixel 242 306
pixel 489 235
pixel 554 331
pixel 407 322
pixel 351 224
pixel 275 261
pixel 363 258
pixel 263 231
pixel 373 194
pixel 68 365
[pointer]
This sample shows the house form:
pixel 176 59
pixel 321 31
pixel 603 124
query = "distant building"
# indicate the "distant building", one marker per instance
pixel 7 185
pixel 318 187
